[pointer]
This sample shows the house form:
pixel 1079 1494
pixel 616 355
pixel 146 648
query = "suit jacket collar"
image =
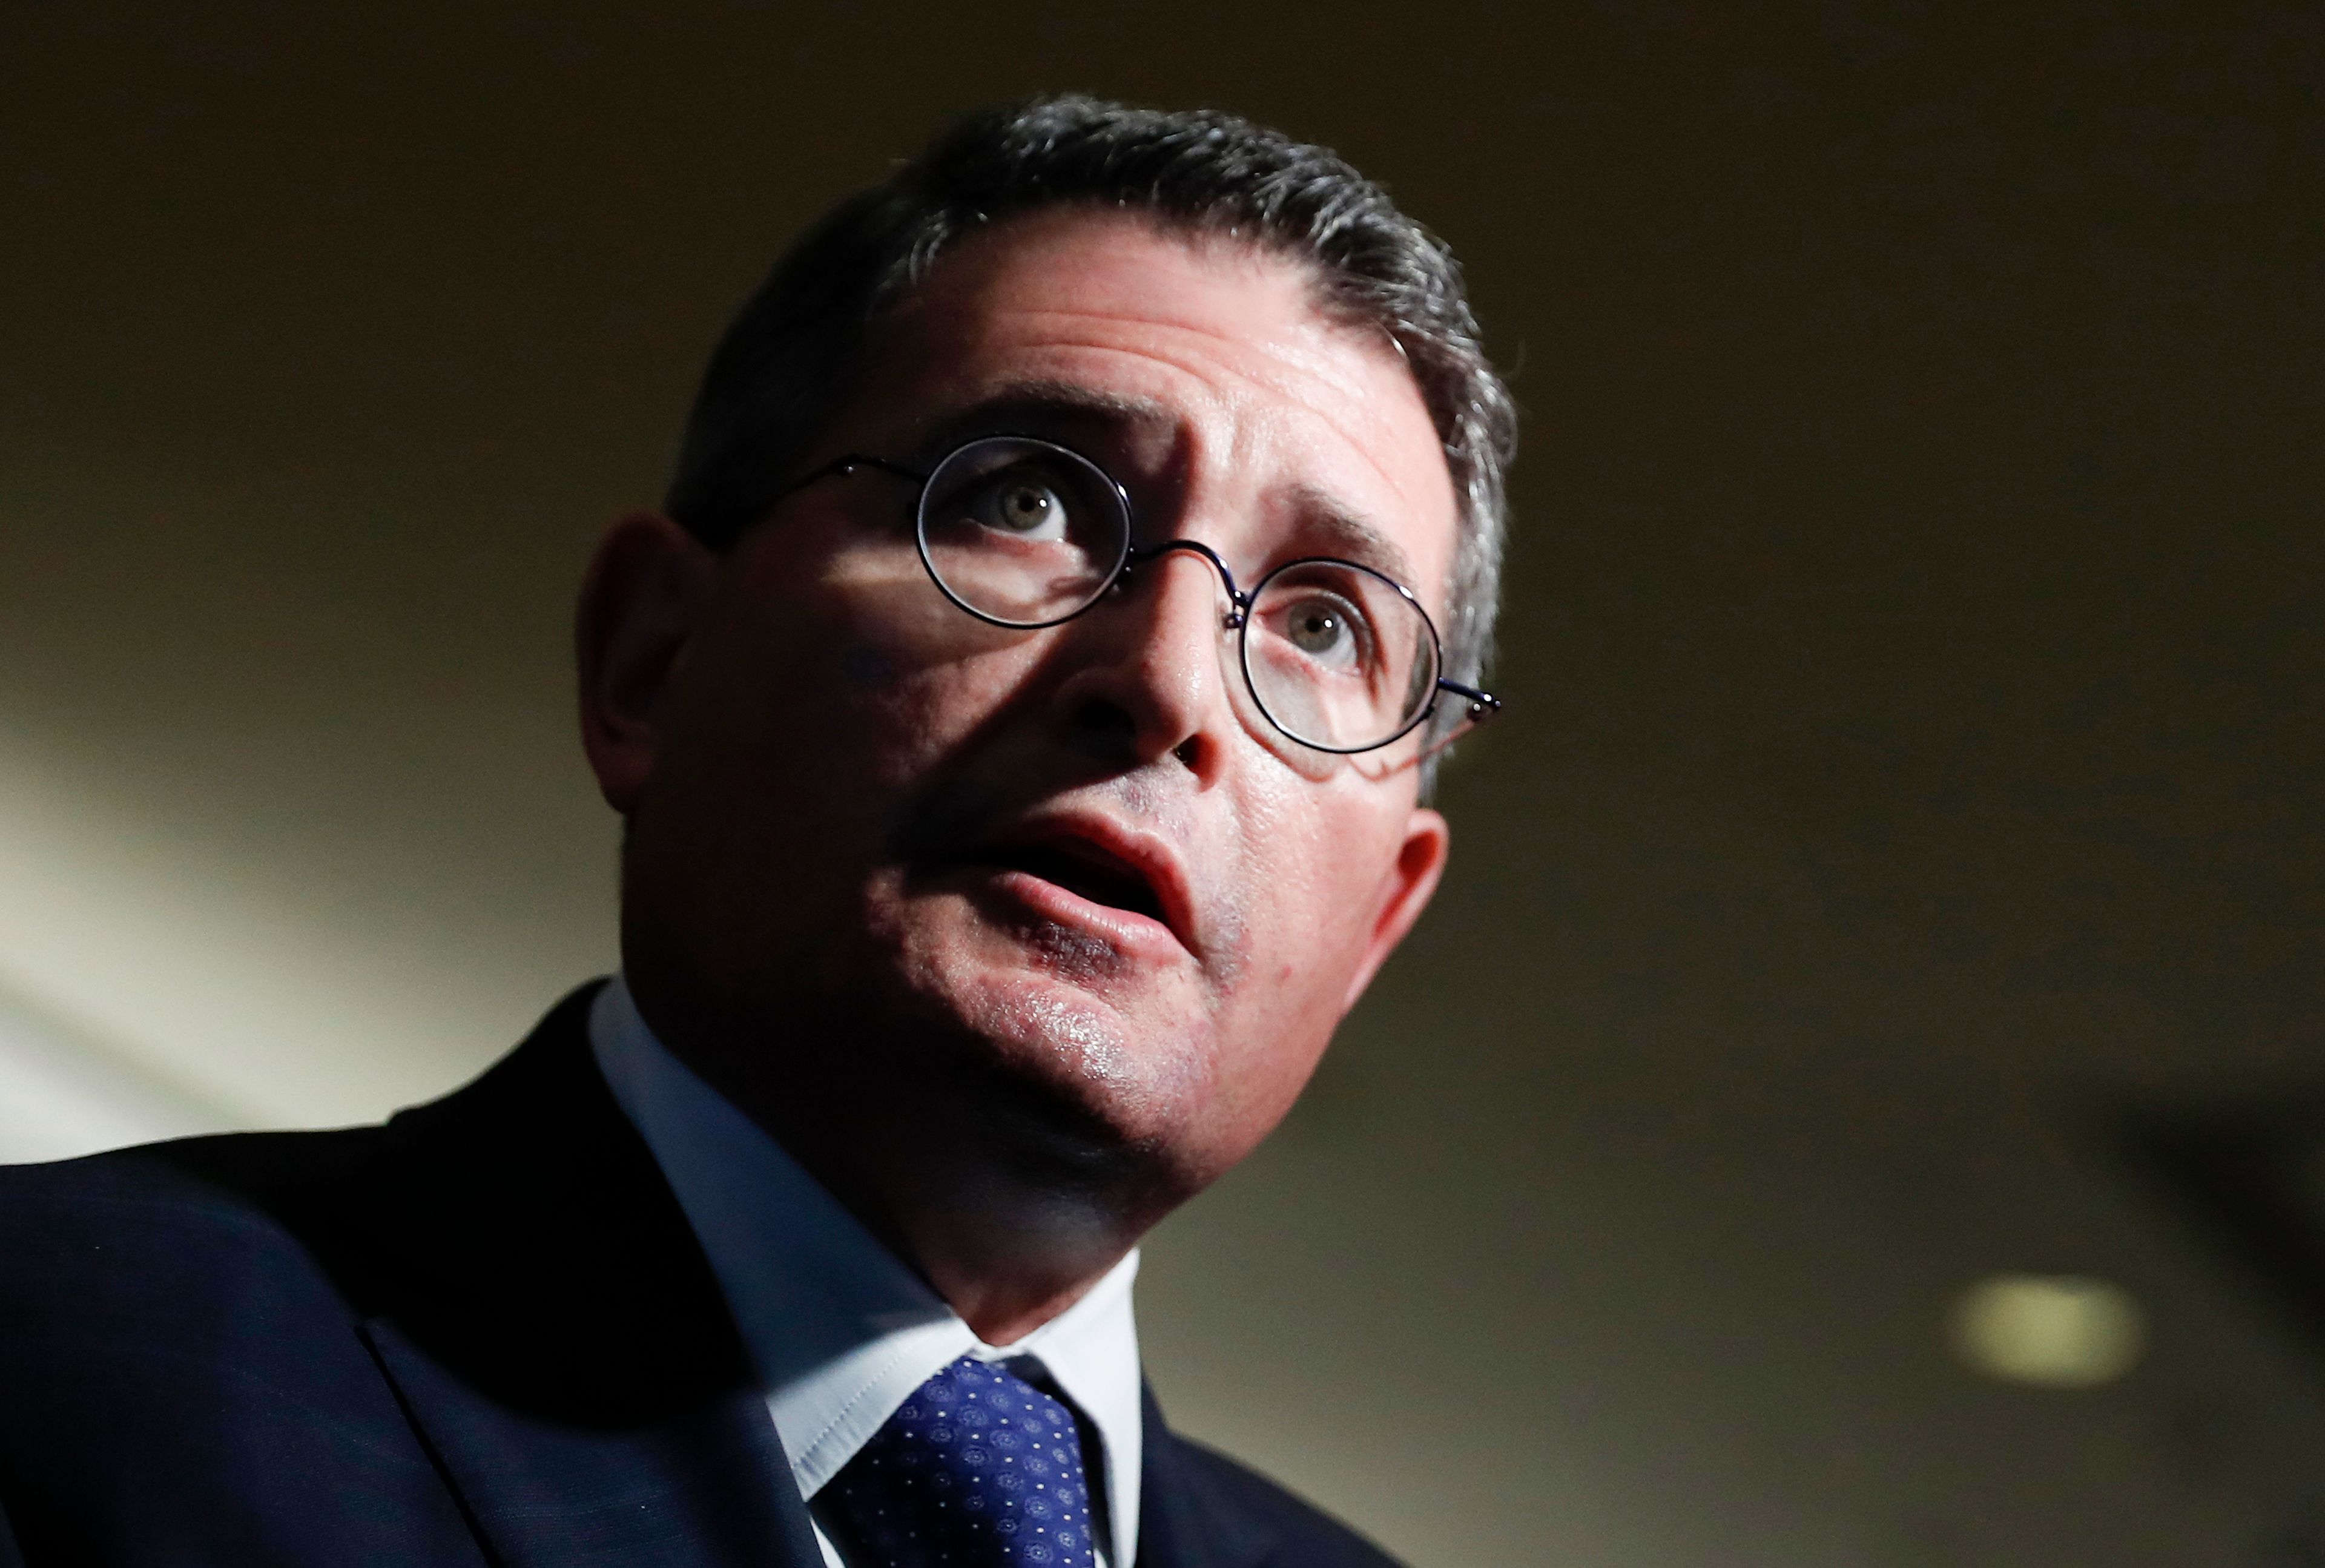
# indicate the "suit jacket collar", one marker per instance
pixel 532 1292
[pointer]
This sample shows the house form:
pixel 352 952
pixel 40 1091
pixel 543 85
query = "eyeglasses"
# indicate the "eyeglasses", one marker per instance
pixel 1026 534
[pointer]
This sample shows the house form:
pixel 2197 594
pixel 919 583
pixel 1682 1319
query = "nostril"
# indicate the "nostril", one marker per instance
pixel 1107 722
pixel 1190 750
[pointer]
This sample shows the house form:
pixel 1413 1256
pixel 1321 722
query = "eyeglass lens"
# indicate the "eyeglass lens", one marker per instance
pixel 1020 532
pixel 1026 534
pixel 1337 656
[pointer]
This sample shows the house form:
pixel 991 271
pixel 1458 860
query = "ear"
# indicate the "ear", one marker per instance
pixel 1411 879
pixel 640 601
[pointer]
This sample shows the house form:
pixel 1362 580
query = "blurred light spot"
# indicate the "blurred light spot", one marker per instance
pixel 2052 1331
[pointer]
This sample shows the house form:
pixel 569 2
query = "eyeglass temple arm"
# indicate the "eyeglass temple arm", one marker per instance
pixel 1483 705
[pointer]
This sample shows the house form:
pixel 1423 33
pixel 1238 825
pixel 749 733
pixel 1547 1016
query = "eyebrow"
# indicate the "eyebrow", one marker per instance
pixel 1338 528
pixel 1048 404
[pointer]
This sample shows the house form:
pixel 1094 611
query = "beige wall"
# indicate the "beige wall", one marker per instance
pixel 1914 651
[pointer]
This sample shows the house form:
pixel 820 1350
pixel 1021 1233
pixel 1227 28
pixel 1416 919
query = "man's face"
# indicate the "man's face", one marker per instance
pixel 1077 859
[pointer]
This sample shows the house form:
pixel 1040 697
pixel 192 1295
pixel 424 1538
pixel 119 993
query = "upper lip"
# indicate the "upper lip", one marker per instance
pixel 1111 848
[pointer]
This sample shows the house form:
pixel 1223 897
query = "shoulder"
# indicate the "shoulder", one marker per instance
pixel 1237 1515
pixel 192 1275
pixel 154 1231
pixel 181 1196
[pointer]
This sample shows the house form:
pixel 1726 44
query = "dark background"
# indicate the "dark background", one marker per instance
pixel 1912 645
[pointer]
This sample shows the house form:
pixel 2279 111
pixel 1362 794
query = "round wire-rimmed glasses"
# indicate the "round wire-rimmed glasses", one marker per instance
pixel 1026 534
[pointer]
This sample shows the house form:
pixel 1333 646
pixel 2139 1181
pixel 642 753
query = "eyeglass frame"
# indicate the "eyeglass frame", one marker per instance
pixel 1483 704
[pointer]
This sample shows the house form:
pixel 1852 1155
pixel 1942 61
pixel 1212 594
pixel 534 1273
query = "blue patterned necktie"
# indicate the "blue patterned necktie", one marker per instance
pixel 979 1468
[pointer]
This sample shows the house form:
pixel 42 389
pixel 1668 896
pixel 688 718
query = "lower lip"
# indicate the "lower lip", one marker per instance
pixel 1123 929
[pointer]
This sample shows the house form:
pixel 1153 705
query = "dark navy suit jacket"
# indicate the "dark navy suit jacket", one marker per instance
pixel 481 1333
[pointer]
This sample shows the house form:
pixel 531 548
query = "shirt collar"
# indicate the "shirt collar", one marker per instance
pixel 840 1330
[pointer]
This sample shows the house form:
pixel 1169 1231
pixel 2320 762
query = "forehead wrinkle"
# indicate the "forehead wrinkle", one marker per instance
pixel 1293 362
pixel 1058 394
pixel 1034 400
pixel 990 274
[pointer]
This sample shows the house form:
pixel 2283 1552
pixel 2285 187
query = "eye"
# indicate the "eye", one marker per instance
pixel 1325 628
pixel 1024 503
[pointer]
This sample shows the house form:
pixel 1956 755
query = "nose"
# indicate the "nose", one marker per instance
pixel 1149 683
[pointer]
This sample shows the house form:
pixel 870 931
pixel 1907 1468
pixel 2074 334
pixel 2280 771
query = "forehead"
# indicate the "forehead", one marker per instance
pixel 1213 354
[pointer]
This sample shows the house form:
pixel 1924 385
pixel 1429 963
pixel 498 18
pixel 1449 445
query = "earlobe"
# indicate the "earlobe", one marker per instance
pixel 1411 881
pixel 640 600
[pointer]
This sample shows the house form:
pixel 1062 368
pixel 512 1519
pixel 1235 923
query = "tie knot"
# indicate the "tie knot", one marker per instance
pixel 979 1468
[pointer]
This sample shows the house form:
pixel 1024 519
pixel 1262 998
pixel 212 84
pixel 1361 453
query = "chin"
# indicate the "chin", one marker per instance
pixel 1128 1068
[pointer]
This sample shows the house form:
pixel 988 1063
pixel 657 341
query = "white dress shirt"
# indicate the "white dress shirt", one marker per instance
pixel 842 1331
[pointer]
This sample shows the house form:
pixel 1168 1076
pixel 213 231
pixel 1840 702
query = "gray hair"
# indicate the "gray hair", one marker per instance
pixel 791 358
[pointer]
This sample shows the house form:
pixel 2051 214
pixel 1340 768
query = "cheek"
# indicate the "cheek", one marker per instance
pixel 878 676
pixel 906 722
pixel 1306 890
pixel 1305 920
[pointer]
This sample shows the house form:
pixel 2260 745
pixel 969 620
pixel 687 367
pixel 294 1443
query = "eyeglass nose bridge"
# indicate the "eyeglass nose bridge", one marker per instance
pixel 1239 601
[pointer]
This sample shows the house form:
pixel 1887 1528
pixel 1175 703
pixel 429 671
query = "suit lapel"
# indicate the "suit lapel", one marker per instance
pixel 1189 1515
pixel 533 1295
pixel 688 1491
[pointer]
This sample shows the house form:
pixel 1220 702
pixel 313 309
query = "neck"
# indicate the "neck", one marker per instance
pixel 1006 1254
pixel 1010 1205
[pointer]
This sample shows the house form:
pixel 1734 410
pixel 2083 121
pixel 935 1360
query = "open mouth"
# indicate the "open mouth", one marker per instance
pixel 1079 867
pixel 1089 871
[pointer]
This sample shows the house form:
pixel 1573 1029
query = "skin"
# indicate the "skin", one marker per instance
pixel 816 756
